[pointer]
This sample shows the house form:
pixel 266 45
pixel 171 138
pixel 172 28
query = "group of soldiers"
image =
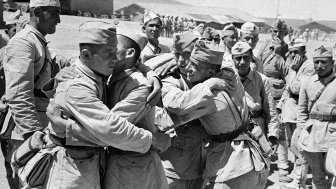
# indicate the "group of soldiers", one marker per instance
pixel 130 112
pixel 176 24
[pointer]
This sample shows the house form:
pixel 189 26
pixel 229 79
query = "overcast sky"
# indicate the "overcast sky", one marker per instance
pixel 301 9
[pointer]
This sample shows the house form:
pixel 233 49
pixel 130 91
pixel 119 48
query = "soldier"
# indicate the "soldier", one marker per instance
pixel 316 116
pixel 257 91
pixel 305 35
pixel 230 38
pixel 211 34
pixel 184 160
pixel 299 71
pixel 152 28
pixel 273 56
pixel 249 32
pixel 96 125
pixel 127 93
pixel 28 66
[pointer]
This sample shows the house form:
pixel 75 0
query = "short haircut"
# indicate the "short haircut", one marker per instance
pixel 128 43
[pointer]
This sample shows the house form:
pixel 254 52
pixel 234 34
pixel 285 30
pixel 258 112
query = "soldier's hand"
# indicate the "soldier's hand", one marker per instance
pixel 66 74
pixel 57 123
pixel 218 84
pixel 161 141
pixel 274 144
pixel 154 85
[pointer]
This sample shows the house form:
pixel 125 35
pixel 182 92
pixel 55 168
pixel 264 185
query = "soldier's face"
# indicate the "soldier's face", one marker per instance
pixel 230 41
pixel 104 60
pixel 197 72
pixel 153 28
pixel 250 39
pixel 183 58
pixel 280 34
pixel 242 62
pixel 49 19
pixel 323 66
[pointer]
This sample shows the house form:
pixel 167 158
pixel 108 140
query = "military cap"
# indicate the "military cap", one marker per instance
pixel 323 52
pixel 138 38
pixel 250 28
pixel 98 32
pixel 210 33
pixel 296 43
pixel 182 40
pixel 240 48
pixel 14 18
pixel 229 30
pixel 44 3
pixel 149 15
pixel 207 52
pixel 279 25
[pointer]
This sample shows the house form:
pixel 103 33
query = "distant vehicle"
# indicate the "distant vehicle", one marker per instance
pixel 87 8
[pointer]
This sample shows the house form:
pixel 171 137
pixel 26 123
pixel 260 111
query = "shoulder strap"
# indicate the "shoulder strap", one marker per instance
pixel 318 95
pixel 233 107
pixel 44 67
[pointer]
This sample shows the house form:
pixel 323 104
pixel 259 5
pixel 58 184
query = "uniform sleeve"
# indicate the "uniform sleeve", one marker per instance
pixel 19 72
pixel 181 102
pixel 302 114
pixel 305 72
pixel 133 107
pixel 97 123
pixel 269 110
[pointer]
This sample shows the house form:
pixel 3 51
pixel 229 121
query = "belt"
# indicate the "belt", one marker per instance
pixel 229 136
pixel 323 117
pixel 195 122
pixel 117 151
pixel 256 114
pixel 62 142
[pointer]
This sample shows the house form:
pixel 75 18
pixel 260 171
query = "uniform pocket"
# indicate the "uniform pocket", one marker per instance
pixel 183 142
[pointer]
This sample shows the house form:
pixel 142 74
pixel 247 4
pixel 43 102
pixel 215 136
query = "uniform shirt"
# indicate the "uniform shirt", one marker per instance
pixel 274 67
pixel 289 99
pixel 4 39
pixel 217 116
pixel 151 50
pixel 257 91
pixel 319 135
pixel 81 100
pixel 127 94
pixel 24 58
pixel 183 160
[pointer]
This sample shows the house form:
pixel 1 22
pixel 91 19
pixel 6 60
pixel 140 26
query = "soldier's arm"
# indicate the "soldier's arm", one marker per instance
pixel 96 124
pixel 181 102
pixel 302 114
pixel 305 72
pixel 19 73
pixel 269 110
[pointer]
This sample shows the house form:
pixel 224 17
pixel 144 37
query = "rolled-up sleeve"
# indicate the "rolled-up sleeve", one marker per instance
pixel 19 72
pixel 97 124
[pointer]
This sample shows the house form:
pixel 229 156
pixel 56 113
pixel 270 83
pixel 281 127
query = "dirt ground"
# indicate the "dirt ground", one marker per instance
pixel 65 42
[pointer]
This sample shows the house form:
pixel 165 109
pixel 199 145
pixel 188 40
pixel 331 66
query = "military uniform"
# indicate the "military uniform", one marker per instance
pixel 317 121
pixel 127 94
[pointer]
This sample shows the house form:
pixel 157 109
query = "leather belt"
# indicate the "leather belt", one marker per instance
pixel 323 117
pixel 62 142
pixel 230 136
pixel 117 151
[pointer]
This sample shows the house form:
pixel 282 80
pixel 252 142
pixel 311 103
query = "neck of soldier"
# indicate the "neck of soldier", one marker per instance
pixel 122 66
pixel 244 75
pixel 154 42
pixel 33 23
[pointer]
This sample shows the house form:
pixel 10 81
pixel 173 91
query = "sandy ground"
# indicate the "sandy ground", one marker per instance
pixel 65 42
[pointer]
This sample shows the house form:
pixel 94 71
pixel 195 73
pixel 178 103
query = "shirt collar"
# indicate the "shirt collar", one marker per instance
pixel 88 72
pixel 36 32
pixel 249 76
pixel 154 48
